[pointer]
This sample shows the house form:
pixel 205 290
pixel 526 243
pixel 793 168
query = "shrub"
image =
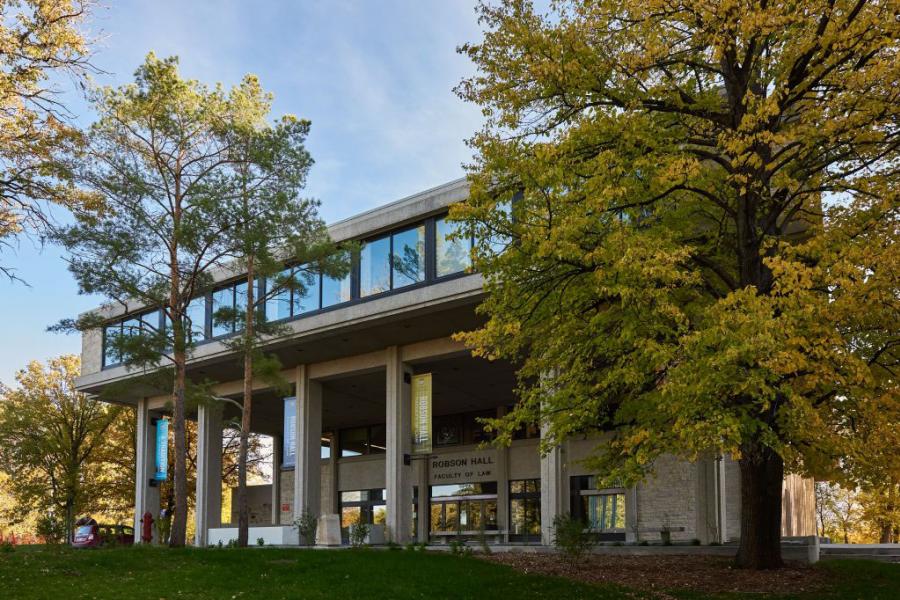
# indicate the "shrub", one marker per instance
pixel 306 524
pixel 358 534
pixel 459 548
pixel 260 542
pixel 53 530
pixel 570 537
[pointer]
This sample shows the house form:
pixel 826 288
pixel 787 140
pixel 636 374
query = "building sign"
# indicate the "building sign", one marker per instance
pixel 162 450
pixel 421 413
pixel 289 446
pixel 463 467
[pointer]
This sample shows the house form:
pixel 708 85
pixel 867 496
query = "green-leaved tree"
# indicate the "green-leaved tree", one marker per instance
pixel 159 155
pixel 272 224
pixel 700 255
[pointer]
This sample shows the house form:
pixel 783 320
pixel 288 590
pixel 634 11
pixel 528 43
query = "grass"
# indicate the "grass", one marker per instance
pixel 272 573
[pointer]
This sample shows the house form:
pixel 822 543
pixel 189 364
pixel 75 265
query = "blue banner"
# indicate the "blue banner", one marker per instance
pixel 289 452
pixel 162 450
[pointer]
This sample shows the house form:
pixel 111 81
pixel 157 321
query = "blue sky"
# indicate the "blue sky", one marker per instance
pixel 374 77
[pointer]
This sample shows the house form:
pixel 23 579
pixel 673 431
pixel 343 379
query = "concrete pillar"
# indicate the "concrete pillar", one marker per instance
pixel 398 474
pixel 308 472
pixel 632 516
pixel 503 485
pixel 146 491
pixel 334 506
pixel 423 526
pixel 276 479
pixel 554 491
pixel 208 509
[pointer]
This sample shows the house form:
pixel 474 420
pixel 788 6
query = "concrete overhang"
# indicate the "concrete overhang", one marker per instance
pixel 397 318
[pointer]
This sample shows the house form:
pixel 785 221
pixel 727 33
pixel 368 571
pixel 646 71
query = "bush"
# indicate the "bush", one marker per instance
pixel 358 534
pixel 260 542
pixel 52 530
pixel 570 537
pixel 307 524
pixel 459 548
pixel 6 547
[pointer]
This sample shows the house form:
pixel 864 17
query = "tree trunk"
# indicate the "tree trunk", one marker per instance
pixel 886 531
pixel 243 505
pixel 178 533
pixel 762 472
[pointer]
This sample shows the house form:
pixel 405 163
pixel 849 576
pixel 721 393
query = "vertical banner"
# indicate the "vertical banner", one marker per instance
pixel 421 413
pixel 289 438
pixel 162 450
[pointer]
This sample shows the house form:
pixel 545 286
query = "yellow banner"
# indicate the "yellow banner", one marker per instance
pixel 421 413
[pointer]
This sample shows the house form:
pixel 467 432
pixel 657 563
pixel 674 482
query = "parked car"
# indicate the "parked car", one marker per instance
pixel 90 534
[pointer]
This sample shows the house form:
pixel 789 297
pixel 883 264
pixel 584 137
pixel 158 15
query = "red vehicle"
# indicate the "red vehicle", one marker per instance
pixel 90 534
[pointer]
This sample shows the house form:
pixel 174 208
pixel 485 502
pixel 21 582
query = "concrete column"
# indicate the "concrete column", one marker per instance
pixel 208 509
pixel 554 491
pixel 334 506
pixel 503 485
pixel 398 474
pixel 307 472
pixel 632 517
pixel 146 496
pixel 276 479
pixel 424 501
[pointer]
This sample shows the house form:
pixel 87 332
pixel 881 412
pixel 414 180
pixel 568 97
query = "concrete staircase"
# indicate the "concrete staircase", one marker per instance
pixel 881 552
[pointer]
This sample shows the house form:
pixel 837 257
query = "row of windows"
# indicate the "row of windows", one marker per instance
pixel 394 261
pixel 472 507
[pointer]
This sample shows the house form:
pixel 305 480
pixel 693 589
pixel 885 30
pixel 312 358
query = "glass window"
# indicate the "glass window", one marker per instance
pixel 452 256
pixel 223 298
pixel 110 353
pixel 447 430
pixel 240 304
pixel 306 295
pixel 325 451
pixel 195 315
pixel 467 507
pixel 354 442
pixel 408 260
pixel 525 509
pixel 378 440
pixel 131 327
pixel 278 304
pixel 374 267
pixel 335 291
pixel 604 512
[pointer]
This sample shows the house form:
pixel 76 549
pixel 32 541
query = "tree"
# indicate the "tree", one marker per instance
pixel 686 217
pixel 50 441
pixel 272 223
pixel 157 155
pixel 838 511
pixel 38 40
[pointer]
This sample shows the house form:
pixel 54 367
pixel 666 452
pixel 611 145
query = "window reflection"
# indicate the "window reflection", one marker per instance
pixel 451 255
pixel 374 267
pixel 408 260
pixel 335 291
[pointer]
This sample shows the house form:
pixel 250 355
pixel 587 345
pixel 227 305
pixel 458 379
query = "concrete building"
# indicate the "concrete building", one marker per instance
pixel 344 439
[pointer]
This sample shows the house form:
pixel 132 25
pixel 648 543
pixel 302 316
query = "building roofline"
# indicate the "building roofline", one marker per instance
pixel 363 224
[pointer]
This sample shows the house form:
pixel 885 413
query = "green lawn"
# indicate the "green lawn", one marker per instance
pixel 269 573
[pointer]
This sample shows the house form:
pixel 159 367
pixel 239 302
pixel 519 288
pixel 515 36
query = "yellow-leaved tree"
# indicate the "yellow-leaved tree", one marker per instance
pixel 687 215
pixel 40 40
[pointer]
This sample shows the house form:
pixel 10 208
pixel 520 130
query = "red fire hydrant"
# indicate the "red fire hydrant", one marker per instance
pixel 147 528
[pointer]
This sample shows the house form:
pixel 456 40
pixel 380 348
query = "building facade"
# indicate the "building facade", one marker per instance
pixel 343 441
